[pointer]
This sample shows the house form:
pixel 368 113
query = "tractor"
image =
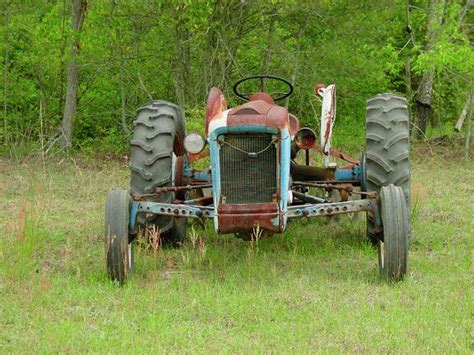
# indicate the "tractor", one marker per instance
pixel 254 180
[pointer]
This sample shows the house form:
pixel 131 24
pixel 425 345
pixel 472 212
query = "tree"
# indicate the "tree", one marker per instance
pixel 424 95
pixel 79 9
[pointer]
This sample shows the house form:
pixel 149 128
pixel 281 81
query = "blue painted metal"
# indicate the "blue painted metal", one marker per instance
pixel 170 209
pixel 344 174
pixel 356 173
pixel 197 174
pixel 133 217
pixel 363 173
pixel 284 163
pixel 189 172
pixel 285 159
pixel 215 172
pixel 329 209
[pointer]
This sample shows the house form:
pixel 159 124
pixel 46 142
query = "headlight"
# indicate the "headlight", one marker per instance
pixel 305 138
pixel 194 143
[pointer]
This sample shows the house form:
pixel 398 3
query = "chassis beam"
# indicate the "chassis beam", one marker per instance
pixel 176 210
pixel 307 210
pixel 329 209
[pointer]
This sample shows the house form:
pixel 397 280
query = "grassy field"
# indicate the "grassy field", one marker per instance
pixel 315 288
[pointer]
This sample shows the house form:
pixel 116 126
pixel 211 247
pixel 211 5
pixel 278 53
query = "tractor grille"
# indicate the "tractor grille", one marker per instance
pixel 248 178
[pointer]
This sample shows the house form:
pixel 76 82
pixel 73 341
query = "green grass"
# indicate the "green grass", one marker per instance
pixel 315 288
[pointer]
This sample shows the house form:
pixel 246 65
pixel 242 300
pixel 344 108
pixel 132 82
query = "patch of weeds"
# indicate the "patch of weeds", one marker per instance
pixel 24 253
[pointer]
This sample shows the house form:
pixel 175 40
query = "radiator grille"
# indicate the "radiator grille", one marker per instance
pixel 244 178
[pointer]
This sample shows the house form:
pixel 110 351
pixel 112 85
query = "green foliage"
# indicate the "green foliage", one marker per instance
pixel 136 50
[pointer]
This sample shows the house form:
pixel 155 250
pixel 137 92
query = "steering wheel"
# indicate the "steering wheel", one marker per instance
pixel 246 96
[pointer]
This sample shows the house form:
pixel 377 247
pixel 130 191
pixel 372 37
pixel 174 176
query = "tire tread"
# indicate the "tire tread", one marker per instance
pixel 387 147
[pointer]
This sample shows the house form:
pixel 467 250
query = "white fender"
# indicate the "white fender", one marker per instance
pixel 328 116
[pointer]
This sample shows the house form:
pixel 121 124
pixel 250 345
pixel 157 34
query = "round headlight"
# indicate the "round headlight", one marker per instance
pixel 305 138
pixel 194 143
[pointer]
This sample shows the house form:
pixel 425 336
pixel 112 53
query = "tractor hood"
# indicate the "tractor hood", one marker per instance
pixel 252 113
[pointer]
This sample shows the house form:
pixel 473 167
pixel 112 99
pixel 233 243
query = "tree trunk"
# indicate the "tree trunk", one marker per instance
pixel 464 112
pixel 79 8
pixel 424 109
pixel 468 138
pixel 229 21
pixel 118 44
pixel 232 43
pixel 423 99
pixel 63 47
pixel 271 31
pixel 123 96
pixel 182 71
pixel 296 61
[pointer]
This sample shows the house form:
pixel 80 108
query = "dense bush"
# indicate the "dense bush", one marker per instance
pixel 133 51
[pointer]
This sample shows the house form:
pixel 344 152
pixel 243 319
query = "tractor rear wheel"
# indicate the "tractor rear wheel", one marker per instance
pixel 387 150
pixel 156 145
pixel 119 247
pixel 393 246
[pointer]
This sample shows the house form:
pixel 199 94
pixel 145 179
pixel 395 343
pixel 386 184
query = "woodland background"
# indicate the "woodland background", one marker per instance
pixel 75 71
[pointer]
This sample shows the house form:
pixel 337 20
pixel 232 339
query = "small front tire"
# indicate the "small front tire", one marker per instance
pixel 393 246
pixel 119 248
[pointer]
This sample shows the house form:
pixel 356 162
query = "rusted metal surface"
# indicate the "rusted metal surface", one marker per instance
pixel 305 138
pixel 303 172
pixel 216 103
pixel 235 218
pixel 318 87
pixel 334 185
pixel 159 190
pixel 293 124
pixel 308 198
pixel 258 113
pixel 262 96
pixel 337 154
pixel 345 193
pixel 194 157
pixel 179 171
pixel 201 201
pixel 334 182
pixel 176 210
pixel 330 209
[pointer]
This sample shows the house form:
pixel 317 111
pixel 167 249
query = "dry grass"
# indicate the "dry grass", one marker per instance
pixel 314 288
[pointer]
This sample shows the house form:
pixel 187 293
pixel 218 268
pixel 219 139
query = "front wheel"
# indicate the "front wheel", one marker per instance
pixel 119 248
pixel 393 246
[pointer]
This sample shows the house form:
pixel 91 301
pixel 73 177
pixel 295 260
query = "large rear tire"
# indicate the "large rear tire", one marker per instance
pixel 119 247
pixel 156 144
pixel 393 246
pixel 387 150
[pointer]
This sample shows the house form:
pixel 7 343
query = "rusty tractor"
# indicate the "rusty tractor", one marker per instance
pixel 254 179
